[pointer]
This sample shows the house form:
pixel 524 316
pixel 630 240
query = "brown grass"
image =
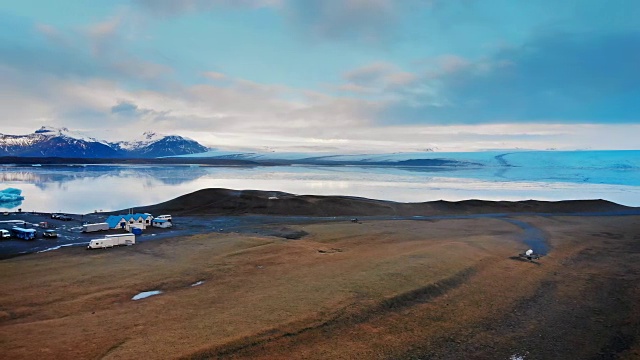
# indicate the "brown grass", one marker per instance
pixel 389 289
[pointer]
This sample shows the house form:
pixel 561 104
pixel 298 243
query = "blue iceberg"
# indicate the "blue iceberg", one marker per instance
pixel 10 198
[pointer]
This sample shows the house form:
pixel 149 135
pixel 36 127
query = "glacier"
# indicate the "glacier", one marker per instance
pixel 615 167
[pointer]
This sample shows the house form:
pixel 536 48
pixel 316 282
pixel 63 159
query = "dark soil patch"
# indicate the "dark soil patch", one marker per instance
pixel 283 232
pixel 329 251
pixel 426 293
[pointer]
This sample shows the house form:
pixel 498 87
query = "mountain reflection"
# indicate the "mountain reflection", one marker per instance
pixel 43 177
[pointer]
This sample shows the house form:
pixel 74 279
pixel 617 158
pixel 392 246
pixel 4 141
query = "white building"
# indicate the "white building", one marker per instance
pixel 161 223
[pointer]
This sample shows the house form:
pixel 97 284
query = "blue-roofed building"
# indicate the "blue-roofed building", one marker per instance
pixel 121 221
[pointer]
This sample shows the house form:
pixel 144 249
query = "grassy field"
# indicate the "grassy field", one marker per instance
pixel 375 290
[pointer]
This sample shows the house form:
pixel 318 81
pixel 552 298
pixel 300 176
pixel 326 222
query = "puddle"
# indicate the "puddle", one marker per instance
pixel 532 236
pixel 198 283
pixel 146 294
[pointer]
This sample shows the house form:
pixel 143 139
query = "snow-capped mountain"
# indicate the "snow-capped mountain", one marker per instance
pixel 61 142
pixel 146 139
pixel 156 145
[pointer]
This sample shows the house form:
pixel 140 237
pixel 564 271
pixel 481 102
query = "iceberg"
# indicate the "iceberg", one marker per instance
pixel 11 197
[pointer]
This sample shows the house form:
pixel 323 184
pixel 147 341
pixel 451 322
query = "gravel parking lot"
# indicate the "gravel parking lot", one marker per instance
pixel 70 232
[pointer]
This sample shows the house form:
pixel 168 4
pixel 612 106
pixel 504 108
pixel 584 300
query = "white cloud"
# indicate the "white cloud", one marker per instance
pixel 95 94
pixel 106 27
pixel 377 78
pixel 173 7
pixel 241 113
pixel 214 75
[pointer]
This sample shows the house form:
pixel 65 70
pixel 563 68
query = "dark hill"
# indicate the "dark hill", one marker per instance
pixel 238 202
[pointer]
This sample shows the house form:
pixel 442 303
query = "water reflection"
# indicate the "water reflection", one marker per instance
pixel 42 176
pixel 83 189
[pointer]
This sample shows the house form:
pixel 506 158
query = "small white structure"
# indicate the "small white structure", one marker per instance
pixel 95 227
pixel 100 244
pixel 164 217
pixel 130 226
pixel 161 223
pixel 125 239
pixel 111 241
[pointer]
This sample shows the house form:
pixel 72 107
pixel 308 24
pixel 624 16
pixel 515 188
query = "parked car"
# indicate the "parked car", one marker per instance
pixel 50 234
pixel 64 217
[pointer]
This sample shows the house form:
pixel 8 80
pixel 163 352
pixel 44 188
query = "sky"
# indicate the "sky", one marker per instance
pixel 333 76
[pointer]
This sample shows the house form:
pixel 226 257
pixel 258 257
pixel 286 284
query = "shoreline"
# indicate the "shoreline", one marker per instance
pixel 251 224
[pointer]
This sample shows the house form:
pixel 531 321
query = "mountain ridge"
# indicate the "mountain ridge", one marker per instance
pixel 61 142
pixel 219 202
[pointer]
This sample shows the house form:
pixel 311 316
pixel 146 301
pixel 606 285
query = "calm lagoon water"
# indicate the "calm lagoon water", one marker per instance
pixel 83 189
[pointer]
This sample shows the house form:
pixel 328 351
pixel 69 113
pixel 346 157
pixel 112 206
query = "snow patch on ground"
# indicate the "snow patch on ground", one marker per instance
pixel 146 294
pixel 61 246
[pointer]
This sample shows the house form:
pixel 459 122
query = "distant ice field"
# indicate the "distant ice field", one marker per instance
pixel 609 175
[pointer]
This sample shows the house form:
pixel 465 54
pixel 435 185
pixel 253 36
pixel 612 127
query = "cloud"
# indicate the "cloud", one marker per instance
pixel 124 107
pixel 52 34
pixel 552 78
pixel 173 7
pixel 368 20
pixel 103 35
pixel 232 106
pixel 214 75
pixel 95 77
pixel 376 78
pixel 228 116
pixel 369 74
pixel 105 28
pixel 96 50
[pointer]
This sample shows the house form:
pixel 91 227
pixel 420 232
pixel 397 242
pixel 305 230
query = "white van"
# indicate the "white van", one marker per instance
pixel 164 217
pixel 4 234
